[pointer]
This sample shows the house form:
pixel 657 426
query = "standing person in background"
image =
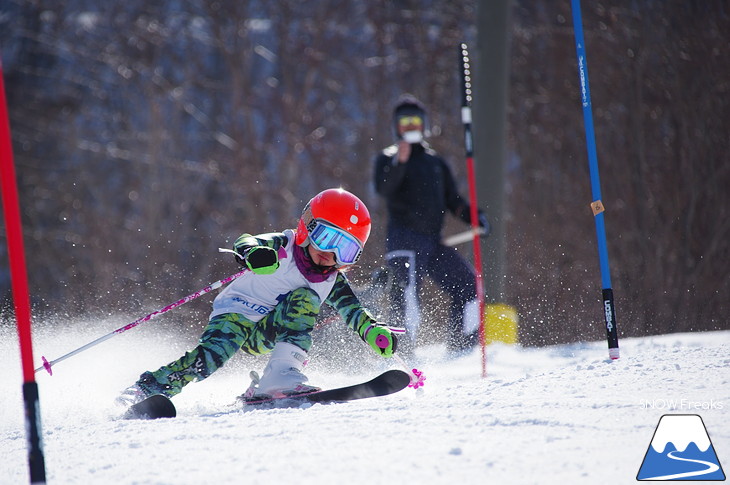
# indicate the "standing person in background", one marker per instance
pixel 419 189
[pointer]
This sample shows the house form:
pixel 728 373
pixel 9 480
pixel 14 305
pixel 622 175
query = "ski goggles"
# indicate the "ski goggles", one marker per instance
pixel 347 249
pixel 404 121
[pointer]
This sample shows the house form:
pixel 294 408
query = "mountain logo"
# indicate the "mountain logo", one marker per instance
pixel 681 450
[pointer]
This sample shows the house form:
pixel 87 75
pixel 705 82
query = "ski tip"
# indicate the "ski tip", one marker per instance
pixel 399 379
pixel 154 407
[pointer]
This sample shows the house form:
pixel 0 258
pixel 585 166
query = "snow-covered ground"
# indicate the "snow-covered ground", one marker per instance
pixel 563 414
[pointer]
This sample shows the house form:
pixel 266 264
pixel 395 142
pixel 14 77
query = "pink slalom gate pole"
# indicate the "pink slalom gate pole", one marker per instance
pixel 213 286
pixel 21 294
pixel 469 144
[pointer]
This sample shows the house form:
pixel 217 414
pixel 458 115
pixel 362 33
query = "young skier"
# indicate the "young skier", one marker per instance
pixel 272 309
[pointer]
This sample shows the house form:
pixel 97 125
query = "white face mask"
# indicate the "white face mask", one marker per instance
pixel 414 136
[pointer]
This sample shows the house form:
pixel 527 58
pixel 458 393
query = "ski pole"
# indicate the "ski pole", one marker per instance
pixel 213 286
pixel 417 376
pixel 466 96
pixel 462 237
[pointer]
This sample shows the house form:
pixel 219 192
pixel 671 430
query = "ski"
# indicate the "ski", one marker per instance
pixel 389 382
pixel 154 407
pixel 386 383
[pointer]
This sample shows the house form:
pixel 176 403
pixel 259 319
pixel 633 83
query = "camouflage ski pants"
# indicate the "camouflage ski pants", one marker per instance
pixel 291 321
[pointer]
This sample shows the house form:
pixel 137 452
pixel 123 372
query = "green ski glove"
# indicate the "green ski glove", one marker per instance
pixel 381 339
pixel 262 260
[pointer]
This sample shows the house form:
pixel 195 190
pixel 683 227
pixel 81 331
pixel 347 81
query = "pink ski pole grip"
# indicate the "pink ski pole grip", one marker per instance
pixel 46 364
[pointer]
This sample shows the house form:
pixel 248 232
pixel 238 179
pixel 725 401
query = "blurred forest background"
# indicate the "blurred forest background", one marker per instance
pixel 148 134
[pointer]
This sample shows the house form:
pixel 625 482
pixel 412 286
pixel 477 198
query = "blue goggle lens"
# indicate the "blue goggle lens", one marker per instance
pixel 334 240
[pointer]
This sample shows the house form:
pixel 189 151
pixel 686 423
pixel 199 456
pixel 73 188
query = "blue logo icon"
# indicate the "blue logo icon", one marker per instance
pixel 681 450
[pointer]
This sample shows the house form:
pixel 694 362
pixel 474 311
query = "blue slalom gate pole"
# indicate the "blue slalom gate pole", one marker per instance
pixel 597 204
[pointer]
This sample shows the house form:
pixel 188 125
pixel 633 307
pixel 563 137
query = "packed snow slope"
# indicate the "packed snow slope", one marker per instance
pixel 556 415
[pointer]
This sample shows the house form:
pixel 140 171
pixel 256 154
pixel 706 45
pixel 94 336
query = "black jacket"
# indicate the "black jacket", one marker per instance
pixel 418 192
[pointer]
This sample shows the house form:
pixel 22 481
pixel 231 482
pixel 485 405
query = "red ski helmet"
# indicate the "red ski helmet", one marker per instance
pixel 336 221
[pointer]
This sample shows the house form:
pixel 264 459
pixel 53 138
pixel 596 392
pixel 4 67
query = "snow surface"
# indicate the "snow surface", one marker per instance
pixel 563 414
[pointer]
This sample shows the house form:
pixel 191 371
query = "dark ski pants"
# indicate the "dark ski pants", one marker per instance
pixel 445 267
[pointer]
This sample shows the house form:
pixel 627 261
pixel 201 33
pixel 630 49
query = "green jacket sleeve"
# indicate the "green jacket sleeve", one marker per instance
pixel 344 300
pixel 273 240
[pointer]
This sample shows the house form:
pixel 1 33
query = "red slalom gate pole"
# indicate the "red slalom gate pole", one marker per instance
pixel 469 145
pixel 21 298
